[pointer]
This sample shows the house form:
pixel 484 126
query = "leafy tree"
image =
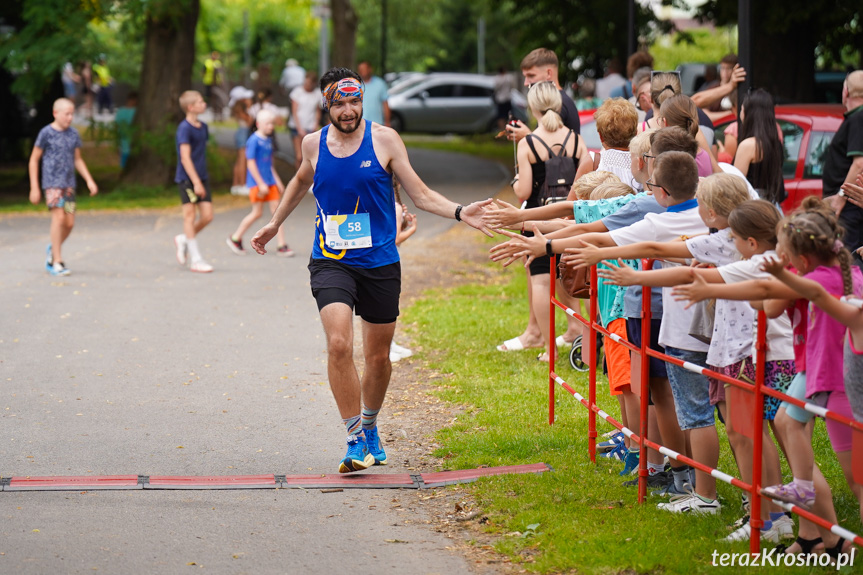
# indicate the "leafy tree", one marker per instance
pixel 584 33
pixel 787 35
pixel 169 54
pixel 45 35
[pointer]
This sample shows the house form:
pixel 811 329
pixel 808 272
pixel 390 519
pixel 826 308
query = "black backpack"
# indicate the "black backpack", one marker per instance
pixel 559 171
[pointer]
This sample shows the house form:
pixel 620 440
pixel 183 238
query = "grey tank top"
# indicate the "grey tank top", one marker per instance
pixel 854 378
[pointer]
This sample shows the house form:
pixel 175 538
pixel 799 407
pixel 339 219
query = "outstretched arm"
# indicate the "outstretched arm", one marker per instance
pixel 700 290
pixel 501 214
pixel 294 193
pixel 424 197
pixel 588 254
pixel 668 277
pixel 848 315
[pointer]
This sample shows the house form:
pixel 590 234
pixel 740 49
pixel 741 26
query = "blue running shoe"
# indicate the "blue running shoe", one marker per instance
pixel 373 443
pixel 49 259
pixel 358 456
pixel 630 463
pixel 610 443
pixel 58 269
pixel 616 454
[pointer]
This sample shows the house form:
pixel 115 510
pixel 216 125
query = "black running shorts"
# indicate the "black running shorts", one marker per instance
pixel 188 195
pixel 373 293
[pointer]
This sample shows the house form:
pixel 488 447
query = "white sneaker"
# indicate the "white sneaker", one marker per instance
pixel 774 534
pixel 394 357
pixel 690 503
pixel 180 242
pixel 402 352
pixel 785 527
pixel 201 267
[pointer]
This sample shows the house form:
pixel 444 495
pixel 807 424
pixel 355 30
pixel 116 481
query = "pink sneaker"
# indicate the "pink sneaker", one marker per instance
pixel 791 493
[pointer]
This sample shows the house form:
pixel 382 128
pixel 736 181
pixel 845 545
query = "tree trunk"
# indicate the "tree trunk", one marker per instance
pixel 784 63
pixel 344 34
pixel 169 54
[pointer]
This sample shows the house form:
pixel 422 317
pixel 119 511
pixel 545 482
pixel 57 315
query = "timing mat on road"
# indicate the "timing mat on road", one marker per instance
pixel 347 481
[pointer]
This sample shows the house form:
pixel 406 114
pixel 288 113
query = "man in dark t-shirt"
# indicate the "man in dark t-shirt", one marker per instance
pixel 541 65
pixel 843 162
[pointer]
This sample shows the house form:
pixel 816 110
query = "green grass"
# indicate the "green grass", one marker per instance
pixel 588 522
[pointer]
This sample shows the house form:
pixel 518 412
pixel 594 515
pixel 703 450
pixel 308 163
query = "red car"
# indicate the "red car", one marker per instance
pixel 807 130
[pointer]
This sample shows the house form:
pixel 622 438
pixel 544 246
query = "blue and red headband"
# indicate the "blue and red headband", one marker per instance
pixel 344 88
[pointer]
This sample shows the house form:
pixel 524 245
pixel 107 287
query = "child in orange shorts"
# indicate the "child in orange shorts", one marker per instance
pixel 263 182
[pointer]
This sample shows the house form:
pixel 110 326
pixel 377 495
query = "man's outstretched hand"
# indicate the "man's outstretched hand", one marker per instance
pixel 472 216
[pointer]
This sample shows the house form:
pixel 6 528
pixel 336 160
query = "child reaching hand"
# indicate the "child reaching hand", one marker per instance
pixel 811 240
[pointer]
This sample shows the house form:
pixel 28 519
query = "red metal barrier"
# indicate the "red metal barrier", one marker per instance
pixel 749 401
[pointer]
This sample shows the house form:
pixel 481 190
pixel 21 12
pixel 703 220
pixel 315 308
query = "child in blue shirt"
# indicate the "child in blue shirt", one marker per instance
pixel 191 179
pixel 263 182
pixel 58 147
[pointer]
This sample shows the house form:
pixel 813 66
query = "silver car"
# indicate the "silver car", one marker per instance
pixel 448 102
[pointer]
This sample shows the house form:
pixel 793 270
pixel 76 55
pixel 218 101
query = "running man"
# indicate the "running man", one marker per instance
pixel 355 264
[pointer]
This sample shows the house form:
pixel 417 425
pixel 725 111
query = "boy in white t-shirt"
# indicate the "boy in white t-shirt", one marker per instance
pixel 674 182
pixel 305 113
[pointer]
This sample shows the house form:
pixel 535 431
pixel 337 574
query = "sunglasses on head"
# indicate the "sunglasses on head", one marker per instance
pixel 657 72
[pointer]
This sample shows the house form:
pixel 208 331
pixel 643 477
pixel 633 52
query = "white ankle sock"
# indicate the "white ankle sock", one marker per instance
pixel 193 250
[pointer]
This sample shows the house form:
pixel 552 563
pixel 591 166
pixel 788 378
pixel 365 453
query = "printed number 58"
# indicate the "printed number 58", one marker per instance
pixel 354 227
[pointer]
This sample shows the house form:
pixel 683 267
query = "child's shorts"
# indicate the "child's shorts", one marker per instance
pixel 777 375
pixel 617 358
pixel 271 194
pixel 60 198
pixel 835 401
pixel 633 331
pixel 188 195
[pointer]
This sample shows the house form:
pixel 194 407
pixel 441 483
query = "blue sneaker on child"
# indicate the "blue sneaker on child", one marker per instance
pixel 358 456
pixel 49 259
pixel 630 463
pixel 613 441
pixel 618 453
pixel 373 443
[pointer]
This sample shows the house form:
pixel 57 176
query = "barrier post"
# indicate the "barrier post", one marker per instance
pixel 645 384
pixel 592 362
pixel 552 344
pixel 755 522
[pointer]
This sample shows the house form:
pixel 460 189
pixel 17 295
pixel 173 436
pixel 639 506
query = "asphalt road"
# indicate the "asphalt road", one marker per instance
pixel 134 365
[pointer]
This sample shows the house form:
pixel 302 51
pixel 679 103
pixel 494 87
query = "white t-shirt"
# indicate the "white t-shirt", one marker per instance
pixel 730 327
pixel 678 221
pixel 730 169
pixel 779 335
pixel 716 249
pixel 307 109
pixel 619 163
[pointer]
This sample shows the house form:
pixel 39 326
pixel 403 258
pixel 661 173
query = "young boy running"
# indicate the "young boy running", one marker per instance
pixel 191 178
pixel 58 146
pixel 263 182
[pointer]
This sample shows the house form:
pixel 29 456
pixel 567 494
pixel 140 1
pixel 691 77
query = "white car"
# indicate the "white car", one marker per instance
pixel 448 102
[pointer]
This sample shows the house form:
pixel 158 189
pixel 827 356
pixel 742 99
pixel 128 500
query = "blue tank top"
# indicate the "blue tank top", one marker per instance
pixel 356 185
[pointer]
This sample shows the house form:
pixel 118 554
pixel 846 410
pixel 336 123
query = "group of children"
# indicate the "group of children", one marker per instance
pixel 57 155
pixel 748 257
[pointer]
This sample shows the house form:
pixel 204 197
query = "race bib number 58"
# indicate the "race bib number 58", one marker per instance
pixel 348 231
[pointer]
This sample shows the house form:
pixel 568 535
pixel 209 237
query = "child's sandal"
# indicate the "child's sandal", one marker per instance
pixel 806 545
